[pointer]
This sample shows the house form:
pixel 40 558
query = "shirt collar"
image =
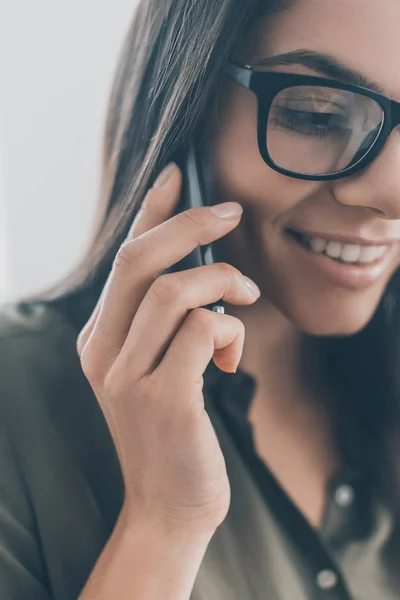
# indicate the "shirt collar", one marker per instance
pixel 233 393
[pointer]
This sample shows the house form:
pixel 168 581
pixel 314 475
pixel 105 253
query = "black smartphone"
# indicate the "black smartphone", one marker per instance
pixel 193 193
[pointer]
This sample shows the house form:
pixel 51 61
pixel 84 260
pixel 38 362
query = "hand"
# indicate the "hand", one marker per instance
pixel 144 355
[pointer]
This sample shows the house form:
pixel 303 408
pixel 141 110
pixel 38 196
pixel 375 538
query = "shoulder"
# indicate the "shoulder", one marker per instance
pixel 38 358
pixel 34 339
pixel 59 470
pixel 46 403
pixel 36 321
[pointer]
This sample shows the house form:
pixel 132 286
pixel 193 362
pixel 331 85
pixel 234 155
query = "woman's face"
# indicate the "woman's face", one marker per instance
pixel 317 293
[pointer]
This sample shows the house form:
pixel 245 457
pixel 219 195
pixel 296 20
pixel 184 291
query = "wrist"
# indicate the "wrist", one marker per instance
pixel 156 527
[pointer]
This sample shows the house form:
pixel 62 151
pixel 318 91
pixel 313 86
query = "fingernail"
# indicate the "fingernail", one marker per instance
pixel 164 175
pixel 252 286
pixel 227 209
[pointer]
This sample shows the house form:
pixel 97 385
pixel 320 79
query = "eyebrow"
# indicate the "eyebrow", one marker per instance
pixel 325 64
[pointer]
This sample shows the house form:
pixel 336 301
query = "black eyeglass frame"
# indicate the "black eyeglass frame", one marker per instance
pixel 267 84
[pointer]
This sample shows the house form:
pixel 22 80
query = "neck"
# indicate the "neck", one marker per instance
pixel 291 395
pixel 291 412
pixel 279 356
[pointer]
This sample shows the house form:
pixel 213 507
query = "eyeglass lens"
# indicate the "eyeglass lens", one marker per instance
pixel 316 130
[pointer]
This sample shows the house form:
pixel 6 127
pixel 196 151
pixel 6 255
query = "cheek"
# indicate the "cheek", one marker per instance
pixel 236 160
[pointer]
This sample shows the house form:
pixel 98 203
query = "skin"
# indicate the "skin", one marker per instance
pixel 292 414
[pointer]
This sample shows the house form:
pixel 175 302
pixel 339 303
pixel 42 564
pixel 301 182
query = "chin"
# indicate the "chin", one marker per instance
pixel 336 317
pixel 345 325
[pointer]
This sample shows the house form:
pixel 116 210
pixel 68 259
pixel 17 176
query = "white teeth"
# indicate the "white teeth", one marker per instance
pixel 333 249
pixel 318 244
pixel 350 253
pixel 370 253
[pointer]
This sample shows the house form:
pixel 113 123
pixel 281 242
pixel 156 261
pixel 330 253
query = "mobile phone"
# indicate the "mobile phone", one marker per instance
pixel 193 193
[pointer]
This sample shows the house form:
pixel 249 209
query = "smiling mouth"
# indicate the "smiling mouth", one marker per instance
pixel 353 254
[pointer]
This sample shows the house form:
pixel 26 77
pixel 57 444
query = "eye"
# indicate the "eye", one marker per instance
pixel 317 123
pixel 313 110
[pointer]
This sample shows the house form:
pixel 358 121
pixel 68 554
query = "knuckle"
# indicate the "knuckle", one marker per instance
pixel 130 252
pixel 90 366
pixel 118 383
pixel 166 288
pixel 80 343
pixel 231 275
pixel 113 387
pixel 202 319
pixel 192 217
pixel 110 395
pixel 240 326
pixel 228 270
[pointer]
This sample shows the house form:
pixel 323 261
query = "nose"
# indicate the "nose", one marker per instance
pixel 376 187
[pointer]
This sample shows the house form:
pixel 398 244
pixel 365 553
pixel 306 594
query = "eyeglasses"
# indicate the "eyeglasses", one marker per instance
pixel 315 128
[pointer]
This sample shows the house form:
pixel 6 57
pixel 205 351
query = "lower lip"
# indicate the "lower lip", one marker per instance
pixel 347 275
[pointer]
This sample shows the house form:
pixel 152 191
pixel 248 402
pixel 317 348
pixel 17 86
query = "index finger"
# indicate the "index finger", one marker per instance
pixel 157 206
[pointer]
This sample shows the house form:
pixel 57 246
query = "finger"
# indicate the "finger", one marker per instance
pixel 203 334
pixel 166 305
pixel 86 332
pixel 156 207
pixel 139 263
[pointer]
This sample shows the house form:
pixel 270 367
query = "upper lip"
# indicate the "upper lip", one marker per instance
pixel 346 239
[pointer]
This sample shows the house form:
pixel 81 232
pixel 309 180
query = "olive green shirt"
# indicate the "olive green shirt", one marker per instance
pixel 61 490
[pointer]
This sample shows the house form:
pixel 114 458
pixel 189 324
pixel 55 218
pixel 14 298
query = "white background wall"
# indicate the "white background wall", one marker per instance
pixel 56 63
pixel 3 234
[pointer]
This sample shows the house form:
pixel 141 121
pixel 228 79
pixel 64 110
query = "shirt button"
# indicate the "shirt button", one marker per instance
pixel 327 579
pixel 344 495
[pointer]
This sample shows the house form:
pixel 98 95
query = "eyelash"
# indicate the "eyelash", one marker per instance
pixel 292 122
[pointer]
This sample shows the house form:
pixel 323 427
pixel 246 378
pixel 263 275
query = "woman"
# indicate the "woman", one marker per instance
pixel 134 466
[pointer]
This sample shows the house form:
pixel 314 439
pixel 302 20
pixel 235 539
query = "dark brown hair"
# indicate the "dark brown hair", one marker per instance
pixel 167 75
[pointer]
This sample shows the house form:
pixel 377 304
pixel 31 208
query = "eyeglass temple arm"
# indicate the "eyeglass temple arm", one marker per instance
pixel 239 74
